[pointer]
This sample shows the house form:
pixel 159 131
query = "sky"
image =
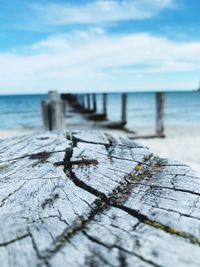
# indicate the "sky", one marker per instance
pixel 99 45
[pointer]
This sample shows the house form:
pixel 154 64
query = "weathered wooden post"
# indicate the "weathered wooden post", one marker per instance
pixel 84 105
pixel 64 107
pixel 46 114
pixel 105 100
pixel 54 96
pixel 57 118
pixel 53 111
pixel 77 97
pixel 94 102
pixel 88 102
pixel 124 108
pixel 160 102
pixel 81 100
pixel 75 100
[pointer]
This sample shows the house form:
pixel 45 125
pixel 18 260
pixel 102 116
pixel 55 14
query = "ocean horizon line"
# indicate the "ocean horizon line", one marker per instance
pixel 99 92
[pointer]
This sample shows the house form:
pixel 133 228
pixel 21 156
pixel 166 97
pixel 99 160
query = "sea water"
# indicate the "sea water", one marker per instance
pixel 181 109
pixel 21 111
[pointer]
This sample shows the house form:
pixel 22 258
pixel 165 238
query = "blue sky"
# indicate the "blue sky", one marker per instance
pixel 102 45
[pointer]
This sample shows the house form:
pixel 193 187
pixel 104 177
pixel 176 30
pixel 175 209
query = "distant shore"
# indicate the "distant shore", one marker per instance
pixel 182 143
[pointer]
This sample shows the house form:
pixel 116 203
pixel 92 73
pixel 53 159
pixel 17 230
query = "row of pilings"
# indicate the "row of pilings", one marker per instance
pixel 54 110
pixel 87 104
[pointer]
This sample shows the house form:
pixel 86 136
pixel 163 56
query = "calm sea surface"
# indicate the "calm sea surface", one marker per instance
pixel 24 111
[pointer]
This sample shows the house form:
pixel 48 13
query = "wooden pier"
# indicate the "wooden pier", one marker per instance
pixel 86 104
pixel 89 199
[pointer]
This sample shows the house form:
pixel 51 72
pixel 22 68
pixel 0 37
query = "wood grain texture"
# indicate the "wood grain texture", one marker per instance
pixel 130 209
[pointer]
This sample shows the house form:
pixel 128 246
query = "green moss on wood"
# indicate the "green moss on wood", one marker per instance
pixel 4 167
pixel 173 231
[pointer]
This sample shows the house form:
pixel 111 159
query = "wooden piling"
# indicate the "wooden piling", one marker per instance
pixel 81 101
pixel 160 102
pixel 105 100
pixel 88 102
pixel 124 108
pixel 84 104
pixel 77 97
pixel 57 116
pixel 53 112
pixel 64 104
pixel 94 103
pixel 54 96
pixel 46 114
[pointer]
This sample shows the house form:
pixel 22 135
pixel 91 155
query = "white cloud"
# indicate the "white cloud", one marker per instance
pixel 98 61
pixel 99 11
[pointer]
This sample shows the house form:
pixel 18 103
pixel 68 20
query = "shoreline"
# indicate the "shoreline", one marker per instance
pixel 6 133
pixel 181 143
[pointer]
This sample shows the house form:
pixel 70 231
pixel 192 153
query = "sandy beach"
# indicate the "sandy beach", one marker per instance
pixel 14 132
pixel 181 143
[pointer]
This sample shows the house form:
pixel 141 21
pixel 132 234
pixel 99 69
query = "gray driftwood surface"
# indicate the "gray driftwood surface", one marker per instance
pixel 132 209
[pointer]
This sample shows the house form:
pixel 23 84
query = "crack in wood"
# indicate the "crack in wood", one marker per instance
pixel 39 155
pixel 120 249
pixel 4 244
pixel 120 194
pixel 110 142
pixel 171 210
pixel 112 199
pixel 100 204
pixel 43 261
pixel 42 157
pixel 168 188
pixel 71 231
pixel 144 219
pixel 9 195
pixel 70 163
